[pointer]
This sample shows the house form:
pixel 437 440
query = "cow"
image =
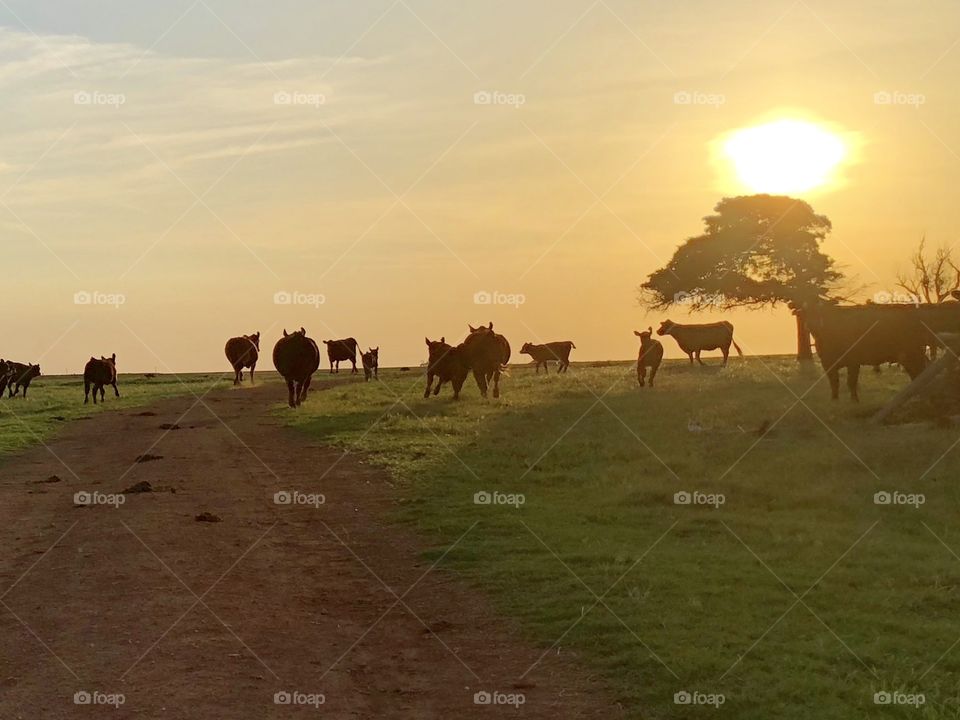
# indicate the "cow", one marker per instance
pixel 371 363
pixel 297 358
pixel 243 352
pixel 447 364
pixel 694 339
pixel 98 374
pixel 4 376
pixel 341 350
pixel 19 375
pixel 651 355
pixel 558 352
pixel 851 336
pixel 486 354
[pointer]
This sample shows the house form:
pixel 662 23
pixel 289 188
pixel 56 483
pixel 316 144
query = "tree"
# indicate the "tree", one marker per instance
pixel 930 279
pixel 756 251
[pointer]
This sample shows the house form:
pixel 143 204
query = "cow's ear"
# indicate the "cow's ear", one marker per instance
pixel 443 338
pixel 114 357
pixel 491 324
pixel 426 340
pixel 302 330
pixel 637 333
pixel 650 329
pixel 284 332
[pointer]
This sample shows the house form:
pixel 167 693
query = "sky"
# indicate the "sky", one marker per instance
pixel 173 174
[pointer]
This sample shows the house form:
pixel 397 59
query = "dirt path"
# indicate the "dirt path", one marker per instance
pixel 190 619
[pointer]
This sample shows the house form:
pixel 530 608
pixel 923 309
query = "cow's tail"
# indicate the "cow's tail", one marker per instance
pixel 739 351
pixel 572 345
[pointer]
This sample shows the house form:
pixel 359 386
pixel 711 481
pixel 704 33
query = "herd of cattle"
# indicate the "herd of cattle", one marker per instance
pixel 846 337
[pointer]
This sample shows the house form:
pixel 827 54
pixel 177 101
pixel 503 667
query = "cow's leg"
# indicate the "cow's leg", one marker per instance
pixel 641 374
pixel 236 375
pixel 290 390
pixel 116 390
pixel 306 386
pixel 481 379
pixel 426 393
pixel 252 368
pixel 103 392
pixel 86 392
pixel 653 373
pixel 698 357
pixel 95 388
pixel 354 362
pixel 690 355
pixel 853 378
pixel 457 383
pixel 496 384
pixel 26 387
pixel 833 375
pixel 726 354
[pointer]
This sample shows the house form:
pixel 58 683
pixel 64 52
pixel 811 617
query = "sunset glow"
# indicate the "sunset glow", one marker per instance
pixel 785 156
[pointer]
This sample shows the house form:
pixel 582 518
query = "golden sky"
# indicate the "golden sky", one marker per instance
pixel 184 167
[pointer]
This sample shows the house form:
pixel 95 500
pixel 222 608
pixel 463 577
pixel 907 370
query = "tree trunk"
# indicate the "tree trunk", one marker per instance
pixel 804 349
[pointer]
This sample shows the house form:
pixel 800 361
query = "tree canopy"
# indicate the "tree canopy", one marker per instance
pixel 756 250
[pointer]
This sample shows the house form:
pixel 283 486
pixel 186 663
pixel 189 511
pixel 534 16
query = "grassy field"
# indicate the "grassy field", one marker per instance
pixel 53 401
pixel 797 596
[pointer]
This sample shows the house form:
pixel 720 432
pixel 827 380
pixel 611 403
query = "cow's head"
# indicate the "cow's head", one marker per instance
pixel 255 339
pixel 527 347
pixel 33 371
pixel 666 327
pixel 645 335
pixel 437 348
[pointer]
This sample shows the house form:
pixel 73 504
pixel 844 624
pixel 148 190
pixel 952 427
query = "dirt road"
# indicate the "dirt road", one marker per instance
pixel 184 618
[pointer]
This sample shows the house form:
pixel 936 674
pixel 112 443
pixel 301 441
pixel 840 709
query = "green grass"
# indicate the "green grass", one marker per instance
pixel 710 592
pixel 55 400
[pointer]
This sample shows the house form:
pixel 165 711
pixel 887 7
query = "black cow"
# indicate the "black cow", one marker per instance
pixel 694 339
pixel 486 354
pixel 851 336
pixel 558 352
pixel 371 363
pixel 20 375
pixel 243 352
pixel 341 350
pixel 447 364
pixel 4 375
pixel 651 355
pixel 296 358
pixel 98 374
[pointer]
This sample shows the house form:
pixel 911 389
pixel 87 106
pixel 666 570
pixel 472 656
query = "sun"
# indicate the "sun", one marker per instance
pixel 785 156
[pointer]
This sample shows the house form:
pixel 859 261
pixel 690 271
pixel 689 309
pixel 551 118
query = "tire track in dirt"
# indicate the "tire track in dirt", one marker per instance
pixel 193 619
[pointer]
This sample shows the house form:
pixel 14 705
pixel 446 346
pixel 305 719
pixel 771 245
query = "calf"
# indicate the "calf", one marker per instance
pixel 341 350
pixel 694 339
pixel 243 352
pixel 651 354
pixel 558 352
pixel 447 364
pixel 371 363
pixel 848 337
pixel 98 374
pixel 296 358
pixel 19 376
